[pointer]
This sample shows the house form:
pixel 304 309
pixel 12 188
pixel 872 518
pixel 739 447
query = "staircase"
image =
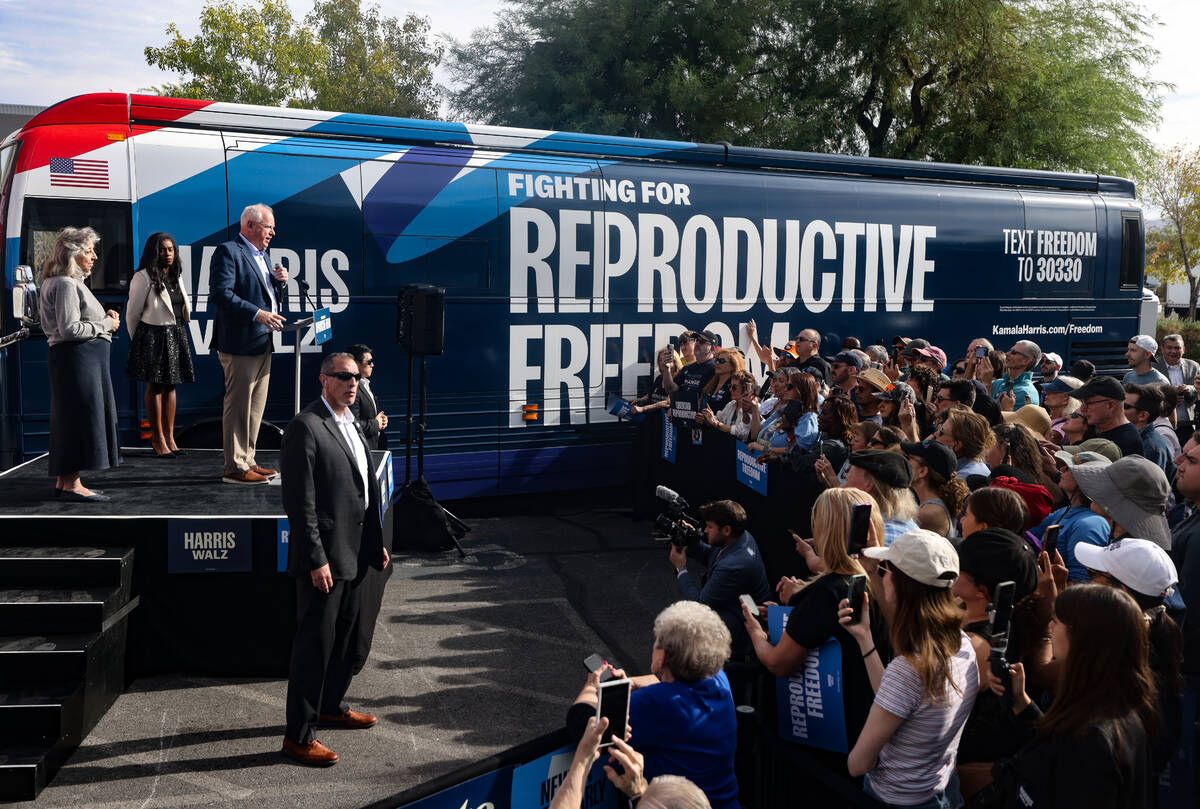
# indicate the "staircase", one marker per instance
pixel 63 623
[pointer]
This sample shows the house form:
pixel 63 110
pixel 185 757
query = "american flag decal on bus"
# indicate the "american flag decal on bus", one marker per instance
pixel 77 173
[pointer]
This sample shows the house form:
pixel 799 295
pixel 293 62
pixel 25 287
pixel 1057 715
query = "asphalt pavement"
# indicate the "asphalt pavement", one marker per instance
pixel 470 657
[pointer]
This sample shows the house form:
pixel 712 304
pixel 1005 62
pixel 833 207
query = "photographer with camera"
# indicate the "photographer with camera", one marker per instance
pixel 733 566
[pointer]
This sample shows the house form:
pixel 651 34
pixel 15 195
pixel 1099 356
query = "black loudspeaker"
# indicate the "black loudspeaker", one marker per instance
pixel 421 318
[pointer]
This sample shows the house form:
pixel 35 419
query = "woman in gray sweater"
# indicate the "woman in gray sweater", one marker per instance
pixel 83 410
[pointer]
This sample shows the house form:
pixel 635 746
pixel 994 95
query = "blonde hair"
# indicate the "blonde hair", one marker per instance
pixel 894 503
pixel 831 527
pixel 971 430
pixel 735 359
pixel 69 243
pixel 694 640
pixel 675 356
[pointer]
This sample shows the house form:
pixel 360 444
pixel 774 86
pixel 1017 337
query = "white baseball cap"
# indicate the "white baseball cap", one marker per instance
pixel 1139 564
pixel 1050 356
pixel 1145 342
pixel 921 555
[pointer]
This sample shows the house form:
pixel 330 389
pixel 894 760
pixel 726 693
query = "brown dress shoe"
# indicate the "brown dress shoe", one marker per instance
pixel 350 719
pixel 248 476
pixel 266 473
pixel 313 754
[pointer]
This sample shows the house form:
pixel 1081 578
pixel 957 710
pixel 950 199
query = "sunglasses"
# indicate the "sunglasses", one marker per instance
pixel 884 567
pixel 941 398
pixel 345 376
pixel 720 360
pixel 369 362
pixel 875 442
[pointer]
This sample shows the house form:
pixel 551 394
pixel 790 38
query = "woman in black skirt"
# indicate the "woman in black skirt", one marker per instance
pixel 83 410
pixel 160 355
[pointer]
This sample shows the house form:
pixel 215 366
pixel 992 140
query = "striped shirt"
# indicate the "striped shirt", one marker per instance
pixel 919 758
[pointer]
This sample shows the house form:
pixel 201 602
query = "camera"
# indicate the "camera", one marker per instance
pixel 675 524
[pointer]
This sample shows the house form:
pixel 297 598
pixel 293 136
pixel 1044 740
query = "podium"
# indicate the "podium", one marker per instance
pixel 323 323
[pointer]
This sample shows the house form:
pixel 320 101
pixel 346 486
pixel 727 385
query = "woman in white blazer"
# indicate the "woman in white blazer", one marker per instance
pixel 160 354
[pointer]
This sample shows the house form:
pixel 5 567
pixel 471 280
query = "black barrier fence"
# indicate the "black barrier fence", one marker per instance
pixel 707 471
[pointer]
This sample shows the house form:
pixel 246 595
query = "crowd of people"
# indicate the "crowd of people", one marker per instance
pixel 994 474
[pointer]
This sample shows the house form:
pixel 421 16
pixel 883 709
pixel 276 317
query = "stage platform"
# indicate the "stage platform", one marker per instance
pixel 144 486
pixel 208 556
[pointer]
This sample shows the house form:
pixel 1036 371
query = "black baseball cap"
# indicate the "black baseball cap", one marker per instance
pixel 883 465
pixel 848 358
pixel 997 555
pixel 938 457
pixel 911 346
pixel 707 337
pixel 1104 386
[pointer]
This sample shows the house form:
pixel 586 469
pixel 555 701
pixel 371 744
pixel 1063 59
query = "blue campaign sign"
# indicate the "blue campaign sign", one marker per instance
pixel 670 436
pixel 385 481
pixel 490 789
pixel 810 700
pixel 281 545
pixel 534 784
pixel 749 471
pixel 322 326
pixel 208 546
pixel 624 410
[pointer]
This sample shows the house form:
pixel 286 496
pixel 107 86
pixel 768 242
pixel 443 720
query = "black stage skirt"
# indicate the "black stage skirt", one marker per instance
pixel 83 410
pixel 160 354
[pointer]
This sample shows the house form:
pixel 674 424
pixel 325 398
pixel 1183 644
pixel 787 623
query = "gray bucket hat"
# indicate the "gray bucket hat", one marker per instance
pixel 1134 492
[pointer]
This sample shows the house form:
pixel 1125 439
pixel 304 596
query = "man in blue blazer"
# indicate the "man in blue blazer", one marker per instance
pixel 247 295
pixel 733 566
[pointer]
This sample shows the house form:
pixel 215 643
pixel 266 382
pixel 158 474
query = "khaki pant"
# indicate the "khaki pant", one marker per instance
pixel 247 377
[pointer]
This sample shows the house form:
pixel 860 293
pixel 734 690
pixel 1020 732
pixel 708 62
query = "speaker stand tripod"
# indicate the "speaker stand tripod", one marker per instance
pixel 457 527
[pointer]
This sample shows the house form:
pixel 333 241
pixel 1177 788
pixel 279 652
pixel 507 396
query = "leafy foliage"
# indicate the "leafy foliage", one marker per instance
pixel 1171 183
pixel 1055 84
pixel 342 57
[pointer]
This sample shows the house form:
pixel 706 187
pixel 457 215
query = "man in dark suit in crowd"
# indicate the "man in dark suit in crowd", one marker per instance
pixel 246 293
pixel 367 415
pixel 332 504
pixel 1181 372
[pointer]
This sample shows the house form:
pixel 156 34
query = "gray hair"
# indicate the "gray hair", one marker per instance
pixel 673 792
pixel 328 360
pixel 894 503
pixel 1173 338
pixel 254 213
pixel 69 243
pixel 877 353
pixel 1032 349
pixel 694 640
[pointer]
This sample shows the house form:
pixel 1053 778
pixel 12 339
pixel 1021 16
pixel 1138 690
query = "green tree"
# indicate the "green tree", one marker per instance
pixel 242 54
pixel 1171 183
pixel 1056 84
pixel 342 57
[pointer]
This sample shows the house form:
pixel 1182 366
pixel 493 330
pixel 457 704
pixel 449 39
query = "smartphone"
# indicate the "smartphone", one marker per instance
pixel 1050 538
pixel 614 705
pixel 860 528
pixel 749 604
pixel 594 662
pixel 1002 609
pixel 980 352
pixel 858 589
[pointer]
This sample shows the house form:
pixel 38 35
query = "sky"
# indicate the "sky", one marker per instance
pixel 108 57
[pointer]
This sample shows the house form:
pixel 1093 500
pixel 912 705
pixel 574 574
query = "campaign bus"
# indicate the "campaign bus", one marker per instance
pixel 567 260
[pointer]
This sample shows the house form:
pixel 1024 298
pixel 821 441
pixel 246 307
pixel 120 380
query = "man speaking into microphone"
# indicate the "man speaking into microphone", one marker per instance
pixel 246 293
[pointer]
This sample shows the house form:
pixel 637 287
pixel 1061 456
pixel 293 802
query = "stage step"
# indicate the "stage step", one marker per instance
pixel 48 611
pixel 42 713
pixel 26 768
pixel 64 621
pixel 23 566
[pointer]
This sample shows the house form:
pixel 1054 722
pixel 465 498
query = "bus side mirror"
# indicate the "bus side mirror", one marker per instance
pixel 25 297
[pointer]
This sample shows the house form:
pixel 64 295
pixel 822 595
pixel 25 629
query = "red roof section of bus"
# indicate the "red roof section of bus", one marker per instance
pixel 83 124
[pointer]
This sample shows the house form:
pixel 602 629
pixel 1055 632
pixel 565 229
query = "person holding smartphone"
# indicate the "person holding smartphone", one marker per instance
pixel 813 619
pixel 922 698
pixel 681 716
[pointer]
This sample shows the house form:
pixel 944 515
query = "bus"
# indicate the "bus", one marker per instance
pixel 567 260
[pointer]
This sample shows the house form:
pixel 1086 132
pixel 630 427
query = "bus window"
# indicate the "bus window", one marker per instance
pixel 1133 251
pixel 7 157
pixel 44 218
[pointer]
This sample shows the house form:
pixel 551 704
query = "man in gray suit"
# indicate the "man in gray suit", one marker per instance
pixel 332 504
pixel 1182 373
